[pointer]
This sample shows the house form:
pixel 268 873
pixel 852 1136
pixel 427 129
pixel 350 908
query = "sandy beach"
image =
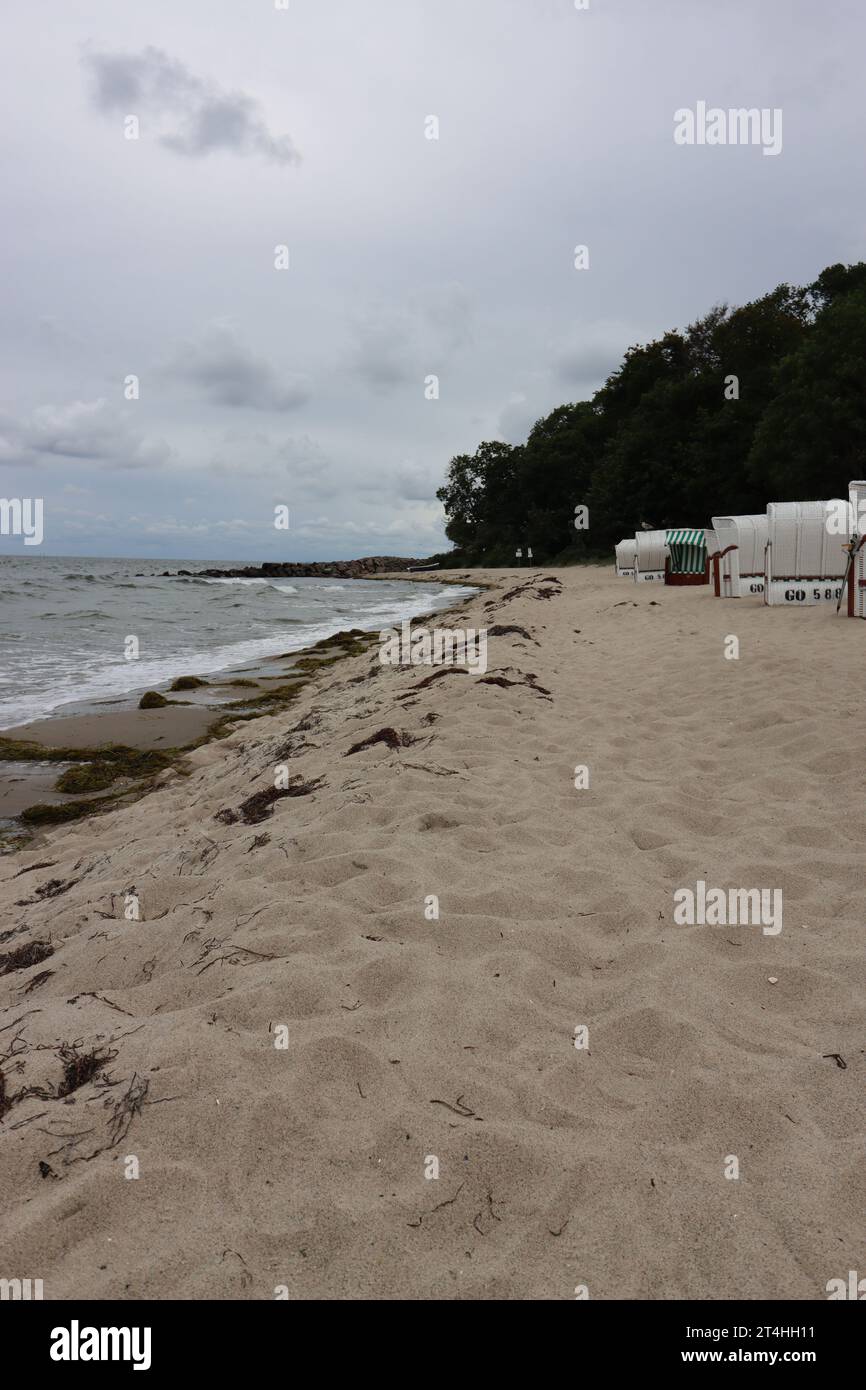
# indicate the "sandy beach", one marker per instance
pixel 250 1003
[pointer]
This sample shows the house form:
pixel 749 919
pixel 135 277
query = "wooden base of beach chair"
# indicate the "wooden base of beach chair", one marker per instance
pixel 678 580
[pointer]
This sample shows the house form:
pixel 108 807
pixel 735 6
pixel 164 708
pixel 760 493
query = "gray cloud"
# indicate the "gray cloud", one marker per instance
pixel 407 482
pixel 229 374
pixel 81 431
pixel 295 461
pixel 518 416
pixel 194 116
pixel 416 483
pixel 394 345
pixel 589 358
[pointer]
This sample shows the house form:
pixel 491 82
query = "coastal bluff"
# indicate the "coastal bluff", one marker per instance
pixel 327 569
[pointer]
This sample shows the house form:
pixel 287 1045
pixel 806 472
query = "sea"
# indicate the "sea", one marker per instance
pixel 65 624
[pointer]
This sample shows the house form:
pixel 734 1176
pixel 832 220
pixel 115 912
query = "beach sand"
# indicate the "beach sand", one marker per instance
pixel 263 1167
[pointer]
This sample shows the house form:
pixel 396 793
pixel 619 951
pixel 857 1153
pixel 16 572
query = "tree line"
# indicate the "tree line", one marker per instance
pixel 750 405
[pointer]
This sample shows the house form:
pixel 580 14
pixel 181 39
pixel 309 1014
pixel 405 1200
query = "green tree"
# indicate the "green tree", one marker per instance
pixel 811 439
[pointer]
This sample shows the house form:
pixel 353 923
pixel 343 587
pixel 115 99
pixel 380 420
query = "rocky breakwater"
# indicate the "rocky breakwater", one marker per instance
pixel 327 569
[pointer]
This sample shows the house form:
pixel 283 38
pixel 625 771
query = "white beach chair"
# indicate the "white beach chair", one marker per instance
pixel 651 553
pixel 806 556
pixel 738 568
pixel 626 553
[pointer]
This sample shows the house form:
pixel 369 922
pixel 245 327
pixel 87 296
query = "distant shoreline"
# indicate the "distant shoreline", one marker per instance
pixel 366 568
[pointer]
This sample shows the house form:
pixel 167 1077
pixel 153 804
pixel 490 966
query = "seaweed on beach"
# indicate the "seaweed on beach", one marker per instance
pixel 391 737
pixel 374 670
pixel 25 956
pixel 530 681
pixel 38 980
pixel 46 813
pixel 531 588
pixel 270 700
pixel 187 683
pixel 129 762
pixel 260 805
pixel 31 868
pixel 510 630
pixel 94 769
pixel 310 665
pixel 124 1111
pixel 437 676
pixel 296 745
pixel 86 777
pixel 80 1067
pixel 54 888
pixel 346 638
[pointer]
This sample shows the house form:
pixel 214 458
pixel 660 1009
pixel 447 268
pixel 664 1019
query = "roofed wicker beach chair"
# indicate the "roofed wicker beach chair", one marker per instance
pixel 626 555
pixel 651 553
pixel 687 556
pixel 807 553
pixel 738 568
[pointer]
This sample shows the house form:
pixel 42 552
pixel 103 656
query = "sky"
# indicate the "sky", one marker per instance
pixel 167 382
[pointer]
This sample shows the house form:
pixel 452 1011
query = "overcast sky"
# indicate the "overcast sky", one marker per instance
pixel 408 257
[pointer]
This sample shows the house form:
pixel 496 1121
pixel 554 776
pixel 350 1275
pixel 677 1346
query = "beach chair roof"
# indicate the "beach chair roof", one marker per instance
pixel 685 535
pixel 803 545
pixel 749 534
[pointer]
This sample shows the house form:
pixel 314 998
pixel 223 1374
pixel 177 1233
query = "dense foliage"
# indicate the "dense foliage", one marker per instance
pixel 669 440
